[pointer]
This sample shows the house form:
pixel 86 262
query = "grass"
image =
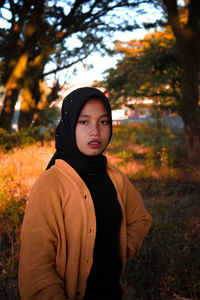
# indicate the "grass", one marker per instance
pixel 168 266
pixel 19 168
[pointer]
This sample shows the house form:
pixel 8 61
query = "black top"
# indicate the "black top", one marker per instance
pixel 107 265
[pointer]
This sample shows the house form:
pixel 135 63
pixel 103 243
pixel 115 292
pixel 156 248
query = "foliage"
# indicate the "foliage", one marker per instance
pixel 11 215
pixel 41 130
pixel 17 173
pixel 24 137
pixel 149 68
pixel 47 117
pixel 67 33
pixel 152 143
pixel 171 73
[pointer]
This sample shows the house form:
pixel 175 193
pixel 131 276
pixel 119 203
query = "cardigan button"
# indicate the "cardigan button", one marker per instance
pixel 85 196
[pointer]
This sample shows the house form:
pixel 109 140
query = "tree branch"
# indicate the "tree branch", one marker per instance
pixel 63 67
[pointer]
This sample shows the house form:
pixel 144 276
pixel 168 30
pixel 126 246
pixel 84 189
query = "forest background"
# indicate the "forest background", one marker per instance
pixel 163 163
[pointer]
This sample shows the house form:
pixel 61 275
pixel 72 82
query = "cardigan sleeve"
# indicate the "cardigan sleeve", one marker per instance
pixel 38 278
pixel 138 220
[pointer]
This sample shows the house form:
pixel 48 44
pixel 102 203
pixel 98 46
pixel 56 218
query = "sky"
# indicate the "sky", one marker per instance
pixel 100 64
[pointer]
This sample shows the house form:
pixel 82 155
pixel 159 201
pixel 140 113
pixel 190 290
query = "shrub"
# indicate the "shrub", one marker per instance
pixel 11 214
pixel 24 137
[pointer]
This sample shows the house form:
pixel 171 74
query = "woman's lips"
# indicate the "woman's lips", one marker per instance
pixel 94 144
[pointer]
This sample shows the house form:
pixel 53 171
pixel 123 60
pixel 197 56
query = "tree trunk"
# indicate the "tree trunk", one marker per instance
pixel 187 38
pixel 31 93
pixel 9 109
pixel 31 96
pixel 192 139
pixel 13 87
pixel 189 110
pixel 28 105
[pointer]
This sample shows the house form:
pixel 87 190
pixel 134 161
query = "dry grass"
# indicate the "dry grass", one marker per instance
pixel 20 167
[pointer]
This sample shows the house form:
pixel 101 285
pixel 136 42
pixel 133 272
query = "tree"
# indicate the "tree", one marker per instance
pixel 185 25
pixel 188 42
pixel 149 68
pixel 38 29
pixel 21 51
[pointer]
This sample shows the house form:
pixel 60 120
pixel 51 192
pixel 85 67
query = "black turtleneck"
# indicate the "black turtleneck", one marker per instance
pixel 104 276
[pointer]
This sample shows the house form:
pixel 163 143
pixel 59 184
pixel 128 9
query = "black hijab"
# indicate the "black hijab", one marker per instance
pixel 92 170
pixel 65 140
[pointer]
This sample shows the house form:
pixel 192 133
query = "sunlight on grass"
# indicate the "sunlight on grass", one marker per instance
pixel 20 167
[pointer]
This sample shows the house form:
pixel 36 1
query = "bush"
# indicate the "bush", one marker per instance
pixel 24 137
pixel 47 118
pixel 11 214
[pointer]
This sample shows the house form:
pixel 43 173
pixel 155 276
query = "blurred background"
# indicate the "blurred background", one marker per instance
pixel 145 56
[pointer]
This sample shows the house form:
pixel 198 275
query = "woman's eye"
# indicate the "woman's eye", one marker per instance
pixel 105 122
pixel 83 122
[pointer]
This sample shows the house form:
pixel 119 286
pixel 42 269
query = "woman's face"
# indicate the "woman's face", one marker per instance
pixel 93 128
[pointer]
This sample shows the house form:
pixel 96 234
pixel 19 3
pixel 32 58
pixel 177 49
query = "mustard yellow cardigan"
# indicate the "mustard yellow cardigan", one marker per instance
pixel 59 228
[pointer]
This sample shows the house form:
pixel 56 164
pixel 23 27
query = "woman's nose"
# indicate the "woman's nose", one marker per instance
pixel 94 130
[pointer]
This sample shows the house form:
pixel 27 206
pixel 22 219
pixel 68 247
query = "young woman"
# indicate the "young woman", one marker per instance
pixel 84 218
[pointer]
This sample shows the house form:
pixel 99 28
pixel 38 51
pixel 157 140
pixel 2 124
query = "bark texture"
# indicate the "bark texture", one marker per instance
pixel 188 42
